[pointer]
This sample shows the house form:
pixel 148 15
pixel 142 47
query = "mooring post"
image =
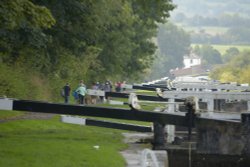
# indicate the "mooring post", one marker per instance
pixel 190 106
pixel 245 119
pixel 170 129
pixel 218 104
pixel 210 104
pixel 159 136
pixel 248 106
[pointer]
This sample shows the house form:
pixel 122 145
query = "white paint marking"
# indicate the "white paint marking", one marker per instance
pixel 73 120
pixel 114 102
pixel 95 92
pixel 6 104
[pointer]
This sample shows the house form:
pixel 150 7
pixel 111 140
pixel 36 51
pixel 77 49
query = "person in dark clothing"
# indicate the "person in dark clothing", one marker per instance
pixel 66 89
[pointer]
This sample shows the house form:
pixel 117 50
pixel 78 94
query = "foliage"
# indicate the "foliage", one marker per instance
pixel 118 29
pixel 70 40
pixel 173 44
pixel 6 114
pixel 230 53
pixel 240 34
pixel 21 29
pixel 18 82
pixel 208 54
pixel 12 83
pixel 237 69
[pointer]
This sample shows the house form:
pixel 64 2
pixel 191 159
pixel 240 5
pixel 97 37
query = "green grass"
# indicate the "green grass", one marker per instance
pixel 9 114
pixel 50 143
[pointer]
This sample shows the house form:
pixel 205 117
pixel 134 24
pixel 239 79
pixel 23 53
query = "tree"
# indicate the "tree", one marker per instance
pixel 120 30
pixel 210 55
pixel 236 70
pixel 21 28
pixel 241 34
pixel 173 43
pixel 69 40
pixel 230 53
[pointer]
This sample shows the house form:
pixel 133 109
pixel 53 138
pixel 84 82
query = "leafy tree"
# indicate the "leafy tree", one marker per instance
pixel 237 69
pixel 120 30
pixel 230 53
pixel 241 34
pixel 210 55
pixel 149 14
pixel 69 40
pixel 21 29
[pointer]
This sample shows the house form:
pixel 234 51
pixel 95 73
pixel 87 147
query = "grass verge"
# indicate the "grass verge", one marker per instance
pixel 50 143
pixel 9 114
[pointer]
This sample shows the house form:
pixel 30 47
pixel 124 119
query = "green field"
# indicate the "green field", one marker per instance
pixel 222 48
pixel 208 30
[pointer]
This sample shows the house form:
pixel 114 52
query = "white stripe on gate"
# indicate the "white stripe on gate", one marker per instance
pixel 6 104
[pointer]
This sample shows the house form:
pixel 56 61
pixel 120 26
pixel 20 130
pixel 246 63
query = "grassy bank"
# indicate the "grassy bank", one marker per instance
pixel 50 143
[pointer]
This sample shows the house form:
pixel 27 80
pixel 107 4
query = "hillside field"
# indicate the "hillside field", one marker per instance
pixel 222 48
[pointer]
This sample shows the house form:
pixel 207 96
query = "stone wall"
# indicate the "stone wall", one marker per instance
pixel 219 137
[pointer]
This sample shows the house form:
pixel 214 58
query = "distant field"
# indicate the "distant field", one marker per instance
pixel 222 48
pixel 215 30
pixel 209 30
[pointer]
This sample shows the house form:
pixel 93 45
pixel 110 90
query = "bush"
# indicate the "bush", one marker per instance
pixel 12 82
pixel 18 82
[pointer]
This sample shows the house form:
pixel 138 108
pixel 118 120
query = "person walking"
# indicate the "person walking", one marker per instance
pixel 107 88
pixel 81 90
pixel 66 90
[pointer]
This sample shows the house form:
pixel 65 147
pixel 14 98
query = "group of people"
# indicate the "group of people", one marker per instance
pixel 108 86
pixel 81 91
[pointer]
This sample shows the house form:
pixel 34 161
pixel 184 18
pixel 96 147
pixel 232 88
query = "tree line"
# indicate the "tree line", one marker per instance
pixel 46 43
pixel 235 70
